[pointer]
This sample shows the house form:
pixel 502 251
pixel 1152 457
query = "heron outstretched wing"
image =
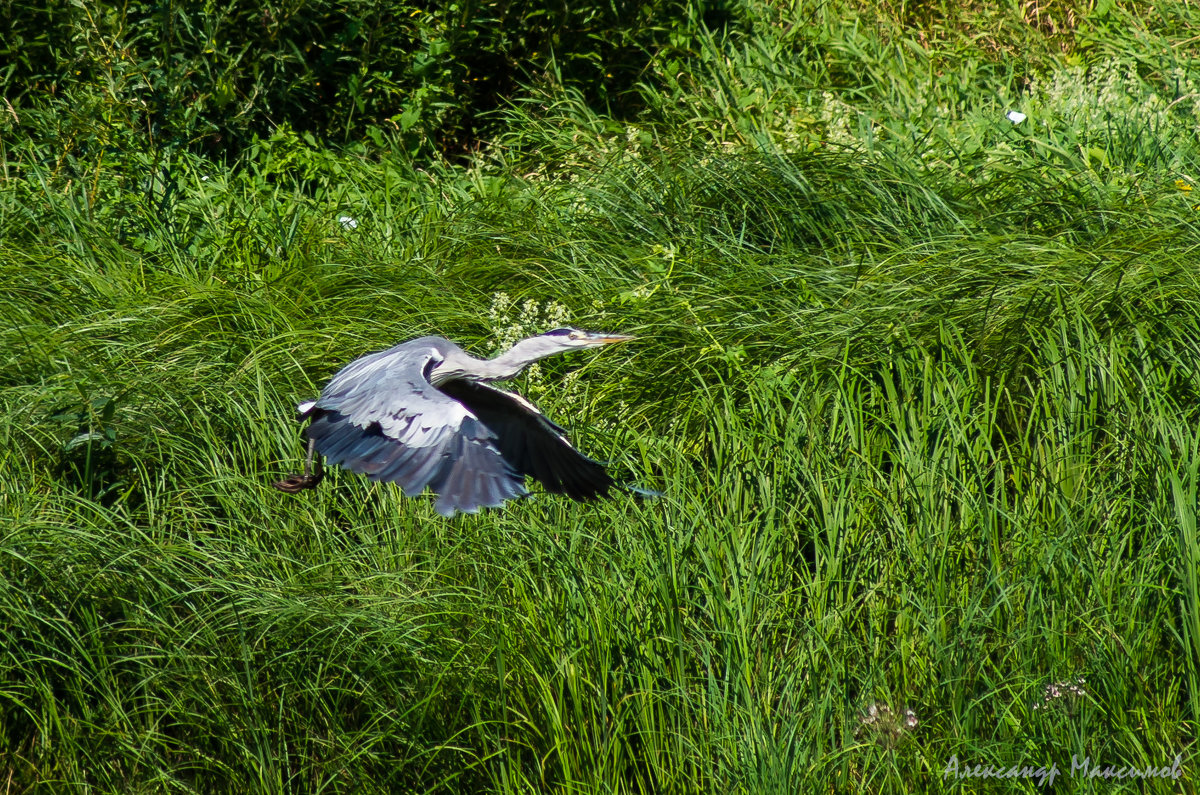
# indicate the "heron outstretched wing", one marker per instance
pixel 383 418
pixel 530 442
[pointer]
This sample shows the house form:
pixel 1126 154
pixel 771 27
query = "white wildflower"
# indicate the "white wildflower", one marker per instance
pixel 1066 693
pixel 886 726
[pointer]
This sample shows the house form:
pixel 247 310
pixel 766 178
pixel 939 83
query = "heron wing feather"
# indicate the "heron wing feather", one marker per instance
pixel 530 442
pixel 380 416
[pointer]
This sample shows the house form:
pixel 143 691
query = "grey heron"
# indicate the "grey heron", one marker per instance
pixel 424 414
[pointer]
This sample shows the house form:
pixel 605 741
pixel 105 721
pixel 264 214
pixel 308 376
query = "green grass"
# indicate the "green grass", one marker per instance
pixel 919 386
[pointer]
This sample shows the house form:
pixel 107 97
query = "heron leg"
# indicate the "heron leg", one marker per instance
pixel 317 466
pixel 312 477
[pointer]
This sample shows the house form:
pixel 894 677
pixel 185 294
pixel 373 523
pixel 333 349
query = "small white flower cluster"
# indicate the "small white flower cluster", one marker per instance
pixel 1068 690
pixel 640 293
pixel 511 323
pixel 885 725
pixel 835 115
pixel 1088 99
pixel 572 170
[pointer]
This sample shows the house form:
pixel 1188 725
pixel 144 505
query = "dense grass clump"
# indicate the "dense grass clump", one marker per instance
pixel 425 76
pixel 919 383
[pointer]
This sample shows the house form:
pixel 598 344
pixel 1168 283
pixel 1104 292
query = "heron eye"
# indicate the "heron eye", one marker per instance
pixel 576 335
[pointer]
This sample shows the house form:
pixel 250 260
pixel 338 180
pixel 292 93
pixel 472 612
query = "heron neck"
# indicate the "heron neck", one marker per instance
pixel 502 367
pixel 506 365
pixel 517 358
pixel 459 364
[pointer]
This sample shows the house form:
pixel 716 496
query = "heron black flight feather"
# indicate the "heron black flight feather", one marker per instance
pixel 423 415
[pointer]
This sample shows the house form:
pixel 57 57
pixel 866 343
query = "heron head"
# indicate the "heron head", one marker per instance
pixel 571 338
pixel 530 349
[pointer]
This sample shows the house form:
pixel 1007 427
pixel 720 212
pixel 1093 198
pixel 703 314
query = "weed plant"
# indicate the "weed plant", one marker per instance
pixel 919 384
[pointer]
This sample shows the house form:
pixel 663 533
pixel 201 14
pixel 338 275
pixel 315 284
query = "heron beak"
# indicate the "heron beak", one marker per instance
pixel 606 339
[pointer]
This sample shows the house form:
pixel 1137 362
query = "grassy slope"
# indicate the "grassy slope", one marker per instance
pixel 919 384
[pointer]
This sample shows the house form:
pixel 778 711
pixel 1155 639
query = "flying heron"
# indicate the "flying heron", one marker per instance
pixel 423 414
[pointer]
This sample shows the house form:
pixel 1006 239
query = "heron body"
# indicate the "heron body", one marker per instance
pixel 424 415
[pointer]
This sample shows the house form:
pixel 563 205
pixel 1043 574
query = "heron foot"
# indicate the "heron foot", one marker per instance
pixel 294 484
